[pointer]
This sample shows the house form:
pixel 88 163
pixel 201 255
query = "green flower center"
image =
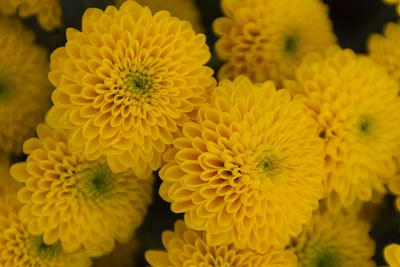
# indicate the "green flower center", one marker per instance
pixel 364 125
pixel 268 164
pixel 97 181
pixel 43 251
pixel 138 83
pixel 291 44
pixel 325 257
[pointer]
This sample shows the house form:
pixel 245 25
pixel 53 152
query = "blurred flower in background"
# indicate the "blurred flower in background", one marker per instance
pixel 48 12
pixel 24 88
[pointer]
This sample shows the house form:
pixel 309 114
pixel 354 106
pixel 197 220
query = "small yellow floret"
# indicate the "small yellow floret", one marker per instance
pixel 185 247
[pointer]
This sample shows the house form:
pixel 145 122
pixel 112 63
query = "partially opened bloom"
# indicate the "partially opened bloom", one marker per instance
pixel 383 49
pixel 18 247
pixel 357 107
pixel 48 12
pixel 185 247
pixel 392 255
pixel 127 83
pixel 79 202
pixel 266 39
pixel 24 88
pixel 250 170
pixel 183 9
pixel 337 240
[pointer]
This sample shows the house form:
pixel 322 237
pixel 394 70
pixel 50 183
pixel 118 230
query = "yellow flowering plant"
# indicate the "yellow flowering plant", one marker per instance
pixel 261 132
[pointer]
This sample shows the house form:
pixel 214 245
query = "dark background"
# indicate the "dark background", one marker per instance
pixel 353 21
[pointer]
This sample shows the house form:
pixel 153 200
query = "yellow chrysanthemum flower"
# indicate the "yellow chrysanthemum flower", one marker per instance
pixel 24 88
pixel 394 2
pixel 80 202
pixel 242 171
pixel 183 9
pixel 127 83
pixel 20 248
pixel 383 49
pixel 185 247
pixel 266 39
pixel 392 255
pixel 48 12
pixel 357 107
pixel 121 256
pixel 335 240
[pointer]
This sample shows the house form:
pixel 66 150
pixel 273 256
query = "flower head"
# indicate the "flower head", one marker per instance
pixel 127 83
pixel 48 12
pixel 335 240
pixel 24 88
pixel 383 49
pixel 185 247
pixel 20 248
pixel 241 172
pixel 357 107
pixel 392 255
pixel 80 202
pixel 266 39
pixel 183 9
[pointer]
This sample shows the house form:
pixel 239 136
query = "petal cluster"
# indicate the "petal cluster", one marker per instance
pixel 392 255
pixel 127 83
pixel 24 88
pixel 183 9
pixel 335 240
pixel 48 12
pixel 20 248
pixel 357 107
pixel 383 49
pixel 250 171
pixel 266 39
pixel 78 202
pixel 185 247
